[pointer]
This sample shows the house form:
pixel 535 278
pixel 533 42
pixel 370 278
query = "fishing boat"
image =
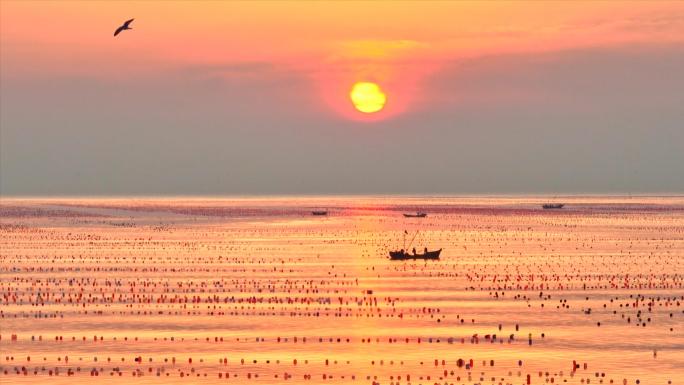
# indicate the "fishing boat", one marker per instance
pixel 319 212
pixel 416 215
pixel 548 206
pixel 402 255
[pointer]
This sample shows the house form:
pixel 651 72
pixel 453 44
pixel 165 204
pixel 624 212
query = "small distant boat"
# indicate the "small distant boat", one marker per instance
pixel 416 215
pixel 402 255
pixel 548 206
pixel 319 212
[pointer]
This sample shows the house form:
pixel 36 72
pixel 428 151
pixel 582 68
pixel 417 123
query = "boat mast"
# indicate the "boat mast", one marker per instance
pixel 410 243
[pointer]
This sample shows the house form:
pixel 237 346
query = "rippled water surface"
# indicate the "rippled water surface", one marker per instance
pixel 258 290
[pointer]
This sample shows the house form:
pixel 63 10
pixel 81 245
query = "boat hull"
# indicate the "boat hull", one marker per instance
pixel 419 215
pixel 399 256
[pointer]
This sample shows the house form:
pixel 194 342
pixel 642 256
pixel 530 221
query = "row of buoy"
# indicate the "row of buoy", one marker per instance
pixel 468 364
pixel 159 371
pixel 473 339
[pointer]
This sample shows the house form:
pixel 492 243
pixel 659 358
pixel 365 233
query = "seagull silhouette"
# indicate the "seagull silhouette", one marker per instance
pixel 123 27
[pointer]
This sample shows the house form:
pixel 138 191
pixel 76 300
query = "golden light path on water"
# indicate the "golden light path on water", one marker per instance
pixel 260 291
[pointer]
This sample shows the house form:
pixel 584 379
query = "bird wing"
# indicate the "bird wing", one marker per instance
pixel 124 26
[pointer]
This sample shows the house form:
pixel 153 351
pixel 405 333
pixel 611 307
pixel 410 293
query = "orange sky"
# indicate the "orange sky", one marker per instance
pixel 298 31
pixel 333 43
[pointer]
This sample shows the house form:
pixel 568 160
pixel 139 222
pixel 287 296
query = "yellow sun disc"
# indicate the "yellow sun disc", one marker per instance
pixel 367 97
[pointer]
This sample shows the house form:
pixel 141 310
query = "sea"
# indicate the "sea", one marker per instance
pixel 208 290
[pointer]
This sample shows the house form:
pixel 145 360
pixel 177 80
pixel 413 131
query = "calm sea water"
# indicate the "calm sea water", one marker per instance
pixel 257 290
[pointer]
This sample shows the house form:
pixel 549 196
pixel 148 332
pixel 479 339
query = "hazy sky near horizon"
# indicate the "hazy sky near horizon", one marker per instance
pixel 253 97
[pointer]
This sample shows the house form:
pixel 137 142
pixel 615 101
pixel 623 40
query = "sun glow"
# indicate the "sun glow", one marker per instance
pixel 367 97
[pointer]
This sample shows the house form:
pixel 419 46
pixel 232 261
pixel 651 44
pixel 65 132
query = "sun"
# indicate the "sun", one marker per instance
pixel 367 97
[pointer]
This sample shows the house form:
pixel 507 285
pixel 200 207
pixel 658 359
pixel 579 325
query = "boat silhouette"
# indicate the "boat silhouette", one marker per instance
pixel 416 215
pixel 403 254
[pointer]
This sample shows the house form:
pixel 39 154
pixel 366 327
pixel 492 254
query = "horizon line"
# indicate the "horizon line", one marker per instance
pixel 346 195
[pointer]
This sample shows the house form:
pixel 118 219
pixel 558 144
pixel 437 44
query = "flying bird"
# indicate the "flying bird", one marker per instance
pixel 123 27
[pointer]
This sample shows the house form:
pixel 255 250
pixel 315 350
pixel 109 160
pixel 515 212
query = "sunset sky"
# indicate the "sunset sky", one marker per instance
pixel 254 97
